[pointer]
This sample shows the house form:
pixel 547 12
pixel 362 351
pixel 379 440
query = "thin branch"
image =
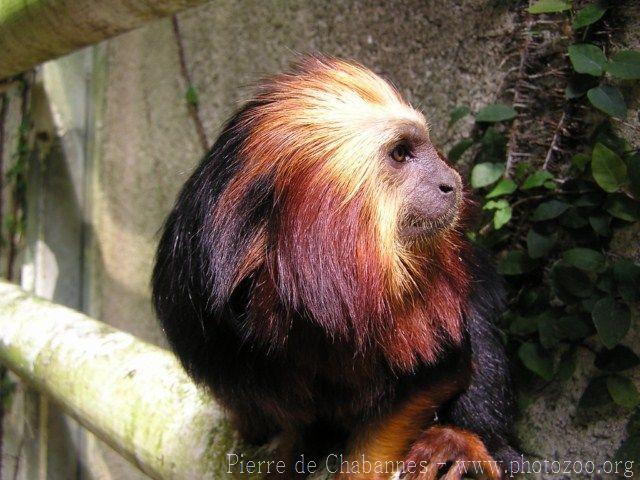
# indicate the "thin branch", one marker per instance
pixel 17 202
pixel 193 109
pixel 4 104
pixel 517 100
pixel 555 141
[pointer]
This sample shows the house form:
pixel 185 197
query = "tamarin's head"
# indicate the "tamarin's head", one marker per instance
pixel 323 197
pixel 334 128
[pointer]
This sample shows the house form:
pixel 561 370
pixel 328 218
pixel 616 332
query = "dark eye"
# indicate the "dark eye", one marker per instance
pixel 400 153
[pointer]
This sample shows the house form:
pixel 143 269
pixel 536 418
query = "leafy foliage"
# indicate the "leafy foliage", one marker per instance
pixel 484 174
pixel 549 6
pixel 609 100
pixel 625 65
pixel 495 113
pixel 588 15
pixel 587 58
pixel 551 230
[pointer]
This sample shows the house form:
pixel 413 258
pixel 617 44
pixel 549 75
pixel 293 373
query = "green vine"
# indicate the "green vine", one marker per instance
pixel 14 181
pixel 550 219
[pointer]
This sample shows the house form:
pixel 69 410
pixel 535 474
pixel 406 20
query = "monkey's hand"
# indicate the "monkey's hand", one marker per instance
pixel 449 453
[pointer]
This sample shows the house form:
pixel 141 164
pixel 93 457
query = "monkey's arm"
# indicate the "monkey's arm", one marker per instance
pixel 487 406
pixel 476 424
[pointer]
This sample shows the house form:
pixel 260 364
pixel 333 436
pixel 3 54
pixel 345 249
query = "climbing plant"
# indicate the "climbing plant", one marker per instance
pixel 549 212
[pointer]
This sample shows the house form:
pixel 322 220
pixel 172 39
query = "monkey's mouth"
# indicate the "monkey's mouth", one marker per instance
pixel 416 226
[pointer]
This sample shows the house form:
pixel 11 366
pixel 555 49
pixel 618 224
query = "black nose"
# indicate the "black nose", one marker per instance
pixel 446 188
pixel 448 182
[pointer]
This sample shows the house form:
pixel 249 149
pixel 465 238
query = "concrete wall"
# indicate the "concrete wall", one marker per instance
pixel 127 146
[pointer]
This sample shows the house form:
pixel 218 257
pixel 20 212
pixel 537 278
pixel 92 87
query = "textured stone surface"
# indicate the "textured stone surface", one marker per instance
pixel 149 147
pixel 428 49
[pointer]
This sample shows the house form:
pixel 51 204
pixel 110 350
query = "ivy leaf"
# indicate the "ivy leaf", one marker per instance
pixel 539 245
pixel 459 148
pixel 568 364
pixel 549 210
pixel 536 360
pixel 633 169
pixel 584 259
pixel 595 395
pixel 506 186
pixel 547 333
pixel 575 90
pixel 536 179
pixel 622 207
pixel 633 425
pixel 569 282
pixel 549 6
pixel 530 298
pixel 501 217
pixel 608 169
pixel 588 15
pixel 629 451
pixel 580 161
pixel 495 204
pixel 625 65
pixel 589 200
pixel 627 271
pixel 514 262
pixel 609 100
pixel 496 112
pixel 551 330
pixel 523 326
pixel 605 283
pixel 191 95
pixel 493 145
pixel 627 277
pixel 484 174
pixel 573 219
pixel 606 135
pixel 572 328
pixel 580 85
pixel 616 360
pixel 600 224
pixel 623 391
pixel 589 303
pixel 587 58
pixel 502 213
pixel 457 114
pixel 612 320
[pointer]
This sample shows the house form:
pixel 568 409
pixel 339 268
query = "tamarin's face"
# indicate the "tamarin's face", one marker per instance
pixel 430 190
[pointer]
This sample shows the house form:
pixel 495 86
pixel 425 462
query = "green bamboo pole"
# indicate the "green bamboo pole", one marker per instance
pixel 132 395
pixel 33 31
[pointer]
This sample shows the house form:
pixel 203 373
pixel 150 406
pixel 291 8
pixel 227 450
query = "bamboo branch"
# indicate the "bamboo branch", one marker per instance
pixel 132 395
pixel 34 31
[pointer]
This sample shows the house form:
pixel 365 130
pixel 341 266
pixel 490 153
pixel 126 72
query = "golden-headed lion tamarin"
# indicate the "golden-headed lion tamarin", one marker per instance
pixel 314 275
